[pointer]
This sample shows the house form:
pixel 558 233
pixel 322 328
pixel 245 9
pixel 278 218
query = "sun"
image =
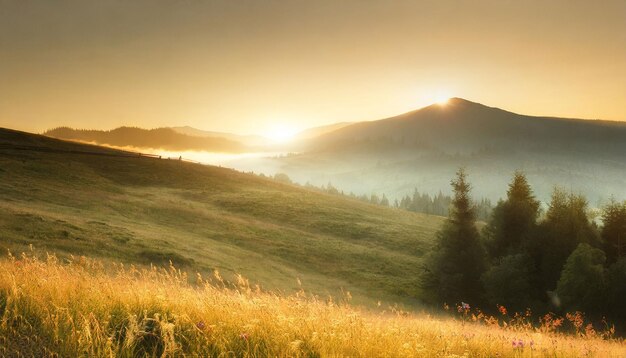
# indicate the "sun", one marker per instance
pixel 438 96
pixel 441 99
pixel 280 133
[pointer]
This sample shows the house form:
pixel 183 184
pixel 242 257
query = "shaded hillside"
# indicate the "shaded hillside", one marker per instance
pixel 423 149
pixel 160 138
pixel 72 198
pixel 465 127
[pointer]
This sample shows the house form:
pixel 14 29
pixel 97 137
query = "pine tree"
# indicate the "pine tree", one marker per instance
pixel 384 201
pixel 454 269
pixel 513 220
pixel 582 284
pixel 614 230
pixel 565 227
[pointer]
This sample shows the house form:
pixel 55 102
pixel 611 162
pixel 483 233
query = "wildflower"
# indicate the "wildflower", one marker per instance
pixel 463 308
pixel 200 325
pixel 520 344
pixel 244 336
pixel 502 310
pixel 514 343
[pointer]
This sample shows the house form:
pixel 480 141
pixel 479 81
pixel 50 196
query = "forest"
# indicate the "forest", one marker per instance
pixel 564 260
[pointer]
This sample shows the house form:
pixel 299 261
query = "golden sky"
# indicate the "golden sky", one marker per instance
pixel 244 66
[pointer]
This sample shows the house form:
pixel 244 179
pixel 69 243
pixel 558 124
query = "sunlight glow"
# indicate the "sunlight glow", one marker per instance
pixel 442 99
pixel 438 96
pixel 281 133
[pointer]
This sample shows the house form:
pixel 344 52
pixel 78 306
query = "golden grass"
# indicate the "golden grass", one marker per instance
pixel 80 308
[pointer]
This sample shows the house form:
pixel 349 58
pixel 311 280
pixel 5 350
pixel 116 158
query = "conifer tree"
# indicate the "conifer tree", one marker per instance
pixel 614 230
pixel 582 284
pixel 566 226
pixel 384 201
pixel 454 269
pixel 514 220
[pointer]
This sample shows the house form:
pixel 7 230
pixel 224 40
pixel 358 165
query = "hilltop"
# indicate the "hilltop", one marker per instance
pixel 72 198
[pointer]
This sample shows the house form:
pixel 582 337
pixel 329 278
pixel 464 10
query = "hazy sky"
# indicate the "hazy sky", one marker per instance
pixel 246 66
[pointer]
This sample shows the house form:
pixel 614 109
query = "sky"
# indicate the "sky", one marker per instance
pixel 254 66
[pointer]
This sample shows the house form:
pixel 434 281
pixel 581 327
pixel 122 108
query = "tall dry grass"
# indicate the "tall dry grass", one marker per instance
pixel 79 308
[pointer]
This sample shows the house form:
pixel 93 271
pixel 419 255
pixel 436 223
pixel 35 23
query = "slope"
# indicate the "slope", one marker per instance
pixel 78 199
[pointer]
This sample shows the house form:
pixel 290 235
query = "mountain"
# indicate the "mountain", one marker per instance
pixel 72 198
pixel 187 138
pixel 160 138
pixel 263 142
pixel 423 149
pixel 465 127
pixel 250 140
pixel 321 130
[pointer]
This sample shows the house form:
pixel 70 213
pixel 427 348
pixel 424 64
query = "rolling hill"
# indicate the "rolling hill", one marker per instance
pixel 423 148
pixel 79 199
pixel 159 138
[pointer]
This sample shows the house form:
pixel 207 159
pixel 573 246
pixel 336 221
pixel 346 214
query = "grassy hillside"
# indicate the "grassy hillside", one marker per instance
pixel 77 309
pixel 85 200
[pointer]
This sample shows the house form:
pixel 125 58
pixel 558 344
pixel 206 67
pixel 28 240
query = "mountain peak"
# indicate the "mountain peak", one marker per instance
pixel 458 101
pixel 450 106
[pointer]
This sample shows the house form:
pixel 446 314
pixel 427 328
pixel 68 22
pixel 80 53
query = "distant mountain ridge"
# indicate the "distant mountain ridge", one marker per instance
pixel 159 138
pixel 321 130
pixel 424 148
pixel 184 138
pixel 253 140
pixel 465 126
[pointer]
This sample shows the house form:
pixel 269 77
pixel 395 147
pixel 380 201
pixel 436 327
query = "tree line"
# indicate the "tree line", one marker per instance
pixel 418 202
pixel 562 261
pixel 439 204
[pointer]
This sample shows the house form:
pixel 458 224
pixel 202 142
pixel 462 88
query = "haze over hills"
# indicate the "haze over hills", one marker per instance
pixel 423 148
pixel 419 149
pixel 250 140
pixel 159 138
pixel 318 131
pixel 187 138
